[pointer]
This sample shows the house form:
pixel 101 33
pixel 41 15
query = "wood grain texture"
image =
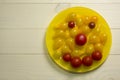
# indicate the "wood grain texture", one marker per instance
pixel 59 1
pixel 39 67
pixel 23 54
pixel 39 15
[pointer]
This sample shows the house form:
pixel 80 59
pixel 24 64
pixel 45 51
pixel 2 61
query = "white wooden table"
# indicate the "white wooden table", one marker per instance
pixel 23 54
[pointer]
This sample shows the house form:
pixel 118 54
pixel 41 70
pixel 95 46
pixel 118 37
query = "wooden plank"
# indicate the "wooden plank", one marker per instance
pixel 32 41
pixel 39 15
pixel 59 1
pixel 22 41
pixel 25 16
pixel 40 67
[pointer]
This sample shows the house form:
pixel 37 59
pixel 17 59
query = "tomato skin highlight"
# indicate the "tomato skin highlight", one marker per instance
pixel 76 62
pixel 97 55
pixel 66 57
pixel 80 39
pixel 87 60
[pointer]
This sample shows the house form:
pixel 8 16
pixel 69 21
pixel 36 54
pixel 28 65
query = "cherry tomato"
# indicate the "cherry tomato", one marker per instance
pixel 97 29
pixel 80 39
pixel 58 43
pixel 67 34
pixel 98 47
pixel 94 39
pixel 71 17
pixel 75 52
pixel 79 21
pixel 97 55
pixel 90 49
pixel 57 54
pixel 94 18
pixel 85 29
pixel 87 60
pixel 61 26
pixel 66 57
pixel 65 49
pixel 71 24
pixel 70 43
pixel 103 38
pixel 74 31
pixel 91 25
pixel 76 62
pixel 59 33
pixel 86 19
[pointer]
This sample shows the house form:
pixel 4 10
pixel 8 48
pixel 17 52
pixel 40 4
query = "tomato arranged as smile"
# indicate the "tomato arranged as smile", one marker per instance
pixel 76 62
pixel 77 39
pixel 97 55
pixel 66 57
pixel 87 60
pixel 76 33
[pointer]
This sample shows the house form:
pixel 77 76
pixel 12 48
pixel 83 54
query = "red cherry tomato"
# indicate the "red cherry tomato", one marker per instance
pixel 97 55
pixel 87 60
pixel 76 62
pixel 91 25
pixel 71 24
pixel 80 39
pixel 67 57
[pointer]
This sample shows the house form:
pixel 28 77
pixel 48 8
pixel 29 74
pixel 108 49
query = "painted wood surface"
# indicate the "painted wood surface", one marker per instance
pixel 23 54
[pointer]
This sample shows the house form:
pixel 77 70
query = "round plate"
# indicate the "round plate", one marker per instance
pixel 60 17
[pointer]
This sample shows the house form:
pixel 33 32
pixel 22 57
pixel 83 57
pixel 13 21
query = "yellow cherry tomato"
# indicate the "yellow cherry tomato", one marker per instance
pixel 80 31
pixel 89 49
pixel 70 42
pixel 58 42
pixel 94 19
pixel 80 48
pixel 75 53
pixel 71 17
pixel 67 34
pixel 62 26
pixel 59 33
pixel 85 29
pixel 79 21
pixel 99 47
pixel 74 31
pixel 57 54
pixel 65 49
pixel 97 29
pixel 82 52
pixel 94 39
pixel 86 19
pixel 103 38
pixel 78 52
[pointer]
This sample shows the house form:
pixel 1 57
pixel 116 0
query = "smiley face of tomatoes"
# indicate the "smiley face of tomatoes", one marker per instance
pixel 79 40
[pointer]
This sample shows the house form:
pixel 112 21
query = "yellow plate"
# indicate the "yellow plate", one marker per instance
pixel 60 17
